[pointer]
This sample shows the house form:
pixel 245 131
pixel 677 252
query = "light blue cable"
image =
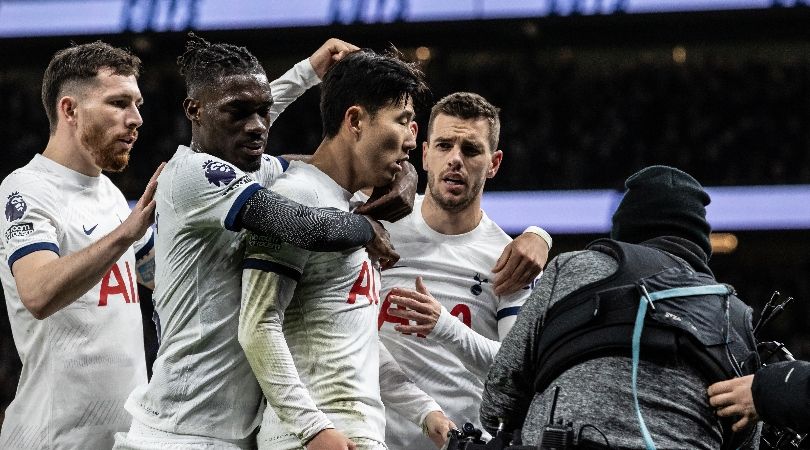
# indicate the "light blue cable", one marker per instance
pixel 719 289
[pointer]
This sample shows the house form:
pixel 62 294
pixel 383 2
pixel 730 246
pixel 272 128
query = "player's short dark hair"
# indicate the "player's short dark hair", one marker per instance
pixel 371 80
pixel 467 105
pixel 203 64
pixel 81 63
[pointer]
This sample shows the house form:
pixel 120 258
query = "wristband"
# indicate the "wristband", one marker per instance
pixel 540 232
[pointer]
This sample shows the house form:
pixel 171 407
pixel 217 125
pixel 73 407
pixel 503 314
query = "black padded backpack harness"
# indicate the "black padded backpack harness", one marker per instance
pixel 677 314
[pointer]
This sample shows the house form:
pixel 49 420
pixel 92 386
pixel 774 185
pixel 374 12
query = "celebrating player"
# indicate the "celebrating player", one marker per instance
pixel 74 250
pixel 445 337
pixel 202 392
pixel 322 372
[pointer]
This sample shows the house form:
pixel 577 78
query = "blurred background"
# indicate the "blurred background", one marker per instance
pixel 590 92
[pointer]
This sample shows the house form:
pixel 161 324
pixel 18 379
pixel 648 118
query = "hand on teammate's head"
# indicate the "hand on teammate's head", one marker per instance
pixel 332 51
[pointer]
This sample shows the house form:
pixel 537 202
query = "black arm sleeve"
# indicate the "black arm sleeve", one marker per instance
pixel 314 229
pixel 781 394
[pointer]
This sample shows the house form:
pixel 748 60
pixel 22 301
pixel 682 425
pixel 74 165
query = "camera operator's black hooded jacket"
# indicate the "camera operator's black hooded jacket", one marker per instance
pixel 598 392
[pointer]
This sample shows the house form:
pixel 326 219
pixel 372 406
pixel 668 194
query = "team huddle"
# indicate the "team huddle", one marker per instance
pixel 302 301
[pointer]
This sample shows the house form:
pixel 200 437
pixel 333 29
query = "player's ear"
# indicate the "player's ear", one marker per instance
pixel 66 109
pixel 495 163
pixel 424 156
pixel 192 109
pixel 354 120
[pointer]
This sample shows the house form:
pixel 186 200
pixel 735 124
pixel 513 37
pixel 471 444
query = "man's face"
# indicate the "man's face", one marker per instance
pixel 386 141
pixel 233 119
pixel 458 160
pixel 108 119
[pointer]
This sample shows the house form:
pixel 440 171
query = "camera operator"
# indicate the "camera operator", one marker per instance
pixel 662 216
pixel 778 394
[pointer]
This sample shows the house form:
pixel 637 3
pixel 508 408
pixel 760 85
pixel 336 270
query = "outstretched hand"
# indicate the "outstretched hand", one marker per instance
pixel 416 306
pixel 379 248
pixel 734 398
pixel 330 53
pixel 142 215
pixel 520 263
pixel 394 201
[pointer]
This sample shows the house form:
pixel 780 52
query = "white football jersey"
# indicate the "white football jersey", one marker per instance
pixel 456 269
pixel 201 383
pixel 80 363
pixel 329 326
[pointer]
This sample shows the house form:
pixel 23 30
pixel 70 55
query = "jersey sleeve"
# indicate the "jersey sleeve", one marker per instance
pixel 270 273
pixel 477 352
pixel 210 192
pixel 272 167
pixel 265 296
pixel 270 253
pixel 31 218
pixel 509 305
pixel 145 244
pixel 401 394
pixel 290 86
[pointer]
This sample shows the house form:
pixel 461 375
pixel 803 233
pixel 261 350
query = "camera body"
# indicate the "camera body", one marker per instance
pixel 469 438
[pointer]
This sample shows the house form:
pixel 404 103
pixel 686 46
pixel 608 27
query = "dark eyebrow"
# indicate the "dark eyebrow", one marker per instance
pixel 243 103
pixel 124 96
pixel 407 114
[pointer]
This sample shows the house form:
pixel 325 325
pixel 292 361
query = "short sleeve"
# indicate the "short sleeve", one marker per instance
pixel 145 244
pixel 208 191
pixel 31 217
pixel 270 170
pixel 509 305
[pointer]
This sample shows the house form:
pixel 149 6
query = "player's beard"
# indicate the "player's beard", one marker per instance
pixel 105 149
pixel 451 203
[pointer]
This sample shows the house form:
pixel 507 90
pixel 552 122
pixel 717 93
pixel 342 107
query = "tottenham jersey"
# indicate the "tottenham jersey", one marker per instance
pixel 456 269
pixel 80 363
pixel 201 383
pixel 330 323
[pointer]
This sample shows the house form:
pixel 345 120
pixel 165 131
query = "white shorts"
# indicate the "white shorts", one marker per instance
pixel 144 437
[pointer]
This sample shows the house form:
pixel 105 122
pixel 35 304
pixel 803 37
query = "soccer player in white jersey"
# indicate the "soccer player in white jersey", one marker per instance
pixel 202 393
pixel 321 373
pixel 446 332
pixel 72 251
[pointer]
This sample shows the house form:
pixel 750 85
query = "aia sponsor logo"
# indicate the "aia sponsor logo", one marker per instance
pixel 15 207
pixel 218 173
pixel 365 285
pixel 113 284
pixel 460 311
